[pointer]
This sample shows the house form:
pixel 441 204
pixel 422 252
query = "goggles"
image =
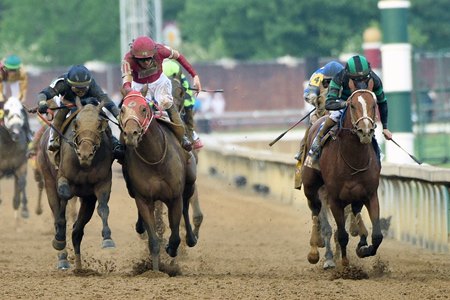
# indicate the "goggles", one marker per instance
pixel 79 89
pixel 326 82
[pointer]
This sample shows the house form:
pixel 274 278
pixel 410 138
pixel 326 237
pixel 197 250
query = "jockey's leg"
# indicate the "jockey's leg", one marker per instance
pixel 117 148
pixel 57 124
pixel 174 116
pixel 316 145
pixel 189 122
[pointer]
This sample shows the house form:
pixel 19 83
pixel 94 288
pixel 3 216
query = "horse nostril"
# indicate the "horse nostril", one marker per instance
pixel 135 133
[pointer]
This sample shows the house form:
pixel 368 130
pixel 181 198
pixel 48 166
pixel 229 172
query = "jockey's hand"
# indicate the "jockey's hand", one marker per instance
pixel 42 107
pixel 311 99
pixel 197 84
pixel 387 134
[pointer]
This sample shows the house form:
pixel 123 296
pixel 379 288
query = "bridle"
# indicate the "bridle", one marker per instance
pixel 354 122
pixel 145 123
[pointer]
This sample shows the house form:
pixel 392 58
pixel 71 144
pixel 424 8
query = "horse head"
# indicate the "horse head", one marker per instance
pixel 135 117
pixel 88 128
pixel 362 107
pixel 14 117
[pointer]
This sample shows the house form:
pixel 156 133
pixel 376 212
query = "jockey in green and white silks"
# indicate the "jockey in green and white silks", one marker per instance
pixel 357 69
pixel 173 70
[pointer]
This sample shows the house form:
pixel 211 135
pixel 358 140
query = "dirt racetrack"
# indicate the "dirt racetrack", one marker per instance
pixel 249 248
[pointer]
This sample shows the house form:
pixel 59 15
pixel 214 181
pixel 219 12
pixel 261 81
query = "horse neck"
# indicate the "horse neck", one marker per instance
pixel 349 144
pixel 154 142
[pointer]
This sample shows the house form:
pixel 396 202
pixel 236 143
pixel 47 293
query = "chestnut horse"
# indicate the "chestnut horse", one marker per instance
pixel 350 173
pixel 84 170
pixel 13 152
pixel 156 168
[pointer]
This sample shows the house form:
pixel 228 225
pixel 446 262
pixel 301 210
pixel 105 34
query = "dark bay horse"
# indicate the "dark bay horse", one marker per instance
pixel 13 152
pixel 349 173
pixel 156 168
pixel 83 170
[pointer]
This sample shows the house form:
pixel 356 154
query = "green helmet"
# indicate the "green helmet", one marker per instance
pixel 171 68
pixel 357 67
pixel 13 62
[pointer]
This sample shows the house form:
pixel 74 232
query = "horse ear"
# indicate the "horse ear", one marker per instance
pixel 351 85
pixel 78 102
pixel 371 84
pixel 144 90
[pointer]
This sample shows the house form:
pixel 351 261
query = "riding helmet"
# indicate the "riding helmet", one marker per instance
pixel 171 68
pixel 357 67
pixel 143 47
pixel 12 62
pixel 79 76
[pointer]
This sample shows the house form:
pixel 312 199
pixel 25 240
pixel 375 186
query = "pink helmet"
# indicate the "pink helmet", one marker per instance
pixel 143 47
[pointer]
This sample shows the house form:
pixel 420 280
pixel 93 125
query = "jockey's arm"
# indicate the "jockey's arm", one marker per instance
pixel 188 67
pixel 97 92
pixel 127 77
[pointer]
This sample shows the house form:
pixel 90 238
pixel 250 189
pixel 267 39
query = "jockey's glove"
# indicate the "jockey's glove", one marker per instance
pixel 42 106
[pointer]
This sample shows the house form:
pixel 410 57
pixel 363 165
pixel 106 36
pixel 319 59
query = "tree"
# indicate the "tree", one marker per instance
pixel 61 32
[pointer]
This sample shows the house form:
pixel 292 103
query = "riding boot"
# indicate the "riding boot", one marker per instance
pixel 176 119
pixel 189 122
pixel 117 148
pixel 54 143
pixel 316 146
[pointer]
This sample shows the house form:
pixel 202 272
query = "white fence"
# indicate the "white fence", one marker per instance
pixel 416 197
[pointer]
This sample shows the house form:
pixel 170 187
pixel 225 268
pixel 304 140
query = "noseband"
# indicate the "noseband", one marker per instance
pixel 90 136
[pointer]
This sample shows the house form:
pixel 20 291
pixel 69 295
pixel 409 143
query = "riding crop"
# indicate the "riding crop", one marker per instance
pixel 281 135
pixel 410 155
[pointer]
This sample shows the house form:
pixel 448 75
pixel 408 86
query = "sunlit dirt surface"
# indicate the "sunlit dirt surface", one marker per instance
pixel 249 248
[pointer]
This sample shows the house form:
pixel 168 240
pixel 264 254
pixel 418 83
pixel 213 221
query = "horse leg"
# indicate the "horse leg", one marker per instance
pixel 377 236
pixel 146 212
pixel 326 232
pixel 39 180
pixel 159 221
pixel 174 211
pixel 140 228
pixel 315 205
pixel 63 191
pixel 103 212
pixel 22 182
pixel 188 193
pixel 87 207
pixel 342 235
pixel 350 216
pixel 197 213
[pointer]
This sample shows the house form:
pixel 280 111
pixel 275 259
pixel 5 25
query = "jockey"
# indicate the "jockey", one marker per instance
pixel 357 69
pixel 173 70
pixel 142 65
pixel 13 74
pixel 316 93
pixel 77 82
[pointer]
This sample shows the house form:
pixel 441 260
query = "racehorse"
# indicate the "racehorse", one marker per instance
pixel 13 152
pixel 156 168
pixel 84 170
pixel 349 172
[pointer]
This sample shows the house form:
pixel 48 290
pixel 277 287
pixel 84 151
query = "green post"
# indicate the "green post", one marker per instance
pixel 397 77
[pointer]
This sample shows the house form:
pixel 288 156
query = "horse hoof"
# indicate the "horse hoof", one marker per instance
pixel 58 245
pixel 345 262
pixel 39 211
pixel 313 258
pixel 108 244
pixel 63 265
pixel 171 251
pixel 329 264
pixel 364 251
pixel 25 214
pixel 192 241
pixel 143 236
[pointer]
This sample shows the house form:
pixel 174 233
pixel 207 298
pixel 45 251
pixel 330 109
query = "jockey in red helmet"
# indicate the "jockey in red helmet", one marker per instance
pixel 142 65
